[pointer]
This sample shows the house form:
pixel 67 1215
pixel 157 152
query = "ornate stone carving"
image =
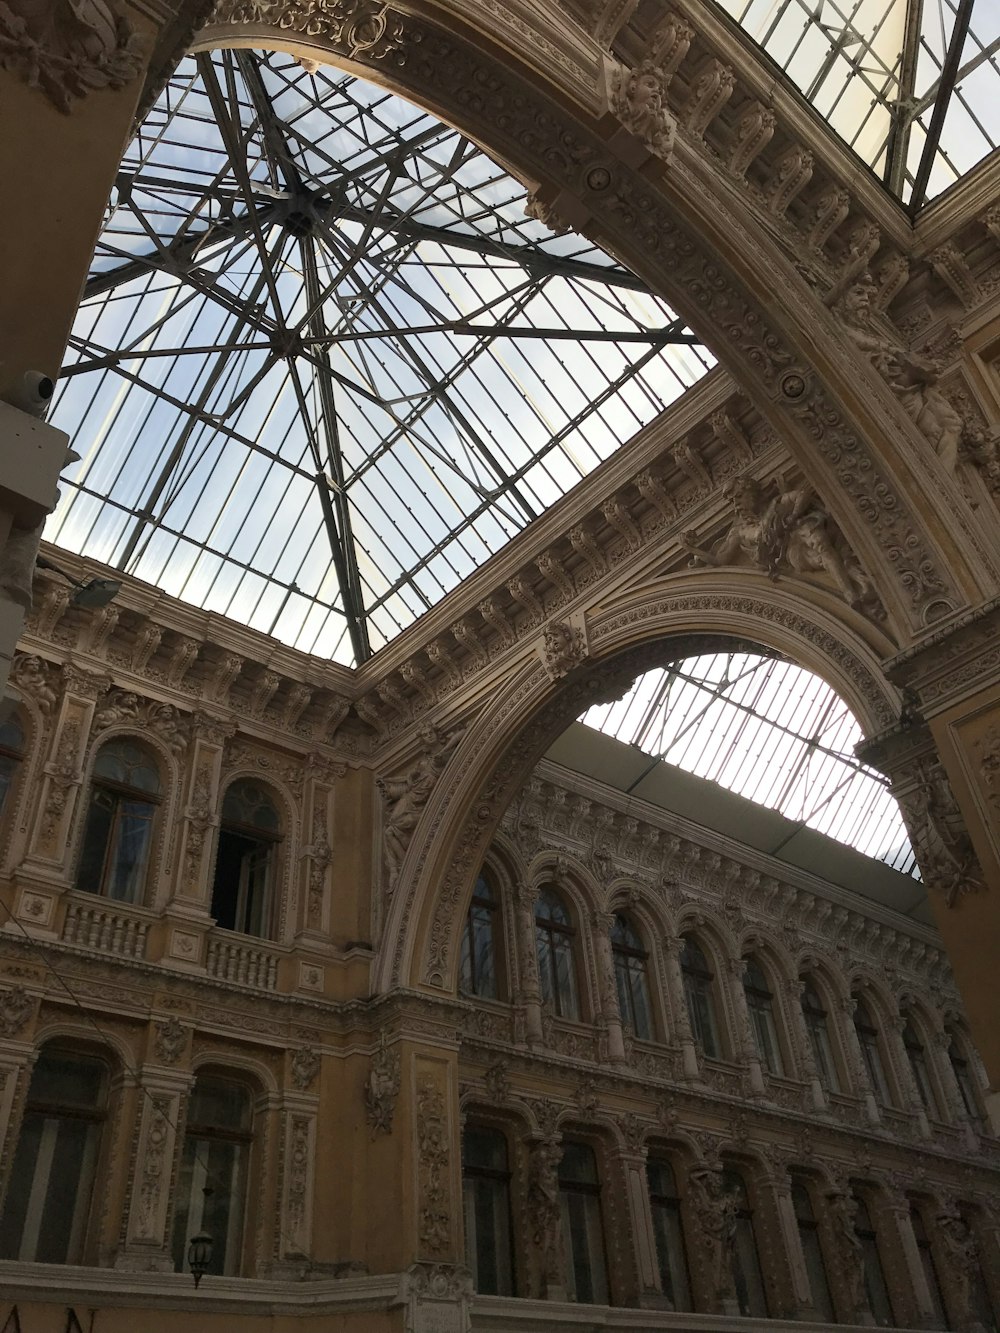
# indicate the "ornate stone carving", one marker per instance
pixel 543 211
pixel 638 97
pixel 543 1208
pixel 16 1007
pixel 169 1040
pixel 382 1089
pixel 68 50
pixel 849 1251
pixel 32 677
pixel 434 1222
pixel 359 28
pixel 497 1080
pixel 912 377
pixel 320 855
pixel 297 1187
pixel 714 1207
pixel 959 1247
pixel 754 132
pixel 944 849
pixel 785 531
pixel 153 1167
pixel 563 647
pixel 63 775
pixel 305 1066
pixel 406 797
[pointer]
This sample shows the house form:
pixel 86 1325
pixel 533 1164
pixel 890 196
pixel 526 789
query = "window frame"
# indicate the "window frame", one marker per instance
pixel 817 1020
pixel 492 905
pixel 631 966
pixel 122 794
pixel 560 937
pixel 763 1023
pixel 268 839
pixel 503 1178
pixel 872 1042
pixel 811 1243
pixel 745 1239
pixel 669 1237
pixel 700 981
pixel 593 1217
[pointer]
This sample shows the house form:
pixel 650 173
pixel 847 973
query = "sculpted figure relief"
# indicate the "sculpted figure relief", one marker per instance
pixel 406 797
pixel 784 530
pixel 911 376
pixel 947 857
pixel 638 99
pixel 715 1208
pixel 68 48
pixel 963 1262
pixel 850 1257
pixel 543 1208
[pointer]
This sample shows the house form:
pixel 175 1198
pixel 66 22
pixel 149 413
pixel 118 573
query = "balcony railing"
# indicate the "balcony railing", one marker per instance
pixel 243 964
pixel 108 929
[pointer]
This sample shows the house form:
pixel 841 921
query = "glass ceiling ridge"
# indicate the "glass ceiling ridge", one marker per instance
pixel 365 367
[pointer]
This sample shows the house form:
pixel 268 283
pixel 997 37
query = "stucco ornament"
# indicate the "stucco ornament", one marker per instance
pixel 357 27
pixel 911 376
pixel 406 797
pixel 785 530
pixel 170 1040
pixel 305 1067
pixel 715 1208
pixel 31 675
pixel 944 849
pixel 849 1250
pixel 382 1089
pixel 638 97
pixel 963 1262
pixel 15 1010
pixel 543 1209
pixel 68 48
pixel 563 647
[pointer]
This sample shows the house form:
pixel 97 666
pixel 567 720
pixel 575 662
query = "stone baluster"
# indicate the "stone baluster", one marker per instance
pixel 672 946
pixel 609 1016
pixel 530 995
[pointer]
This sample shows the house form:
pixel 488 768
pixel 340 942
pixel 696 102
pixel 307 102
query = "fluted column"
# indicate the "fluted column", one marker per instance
pixel 779 1185
pixel 632 1161
pixel 907 1079
pixel 609 1016
pixel 672 946
pixel 807 1057
pixel 894 1210
pixel 744 1031
pixel 862 1083
pixel 530 995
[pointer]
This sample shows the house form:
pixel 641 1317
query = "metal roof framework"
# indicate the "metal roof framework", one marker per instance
pixel 768 730
pixel 912 86
pixel 325 365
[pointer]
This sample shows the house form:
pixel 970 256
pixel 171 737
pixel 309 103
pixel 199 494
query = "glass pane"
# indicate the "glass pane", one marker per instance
pixel 578 1164
pixel 96 836
pixel 126 872
pixel 220 1103
pixel 484 1148
pixel 586 1280
pixel 129 763
pixel 487 1234
pixel 565 978
pixel 8 770
pixel 49 1196
pixel 247 803
pixel 210 1198
pixel 668 1234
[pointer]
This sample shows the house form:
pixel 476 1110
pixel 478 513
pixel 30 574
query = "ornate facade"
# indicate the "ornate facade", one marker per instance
pixel 738 1089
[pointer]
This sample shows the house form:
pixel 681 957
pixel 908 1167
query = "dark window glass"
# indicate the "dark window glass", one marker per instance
pixel 12 746
pixel 760 1003
pixel 583 1234
pixel 212 1182
pixel 747 1277
pixel 930 1268
pixel 118 831
pixel 671 1255
pixel 871 1052
pixel 486 1198
pixel 478 967
pixel 554 935
pixel 819 1038
pixel 917 1059
pixel 631 975
pixel 242 889
pixel 876 1291
pixel 52 1179
pixel 812 1251
pixel 700 996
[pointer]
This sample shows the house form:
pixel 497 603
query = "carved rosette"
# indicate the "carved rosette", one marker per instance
pixel 358 28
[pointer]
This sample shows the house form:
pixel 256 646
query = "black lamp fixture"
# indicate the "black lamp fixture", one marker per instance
pixel 91 595
pixel 199 1255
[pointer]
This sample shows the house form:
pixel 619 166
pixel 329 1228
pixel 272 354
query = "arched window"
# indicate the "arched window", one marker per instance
pixel 554 935
pixel 582 1230
pixel 118 834
pixel 479 968
pixel 917 1060
pixel 819 1037
pixel 968 1087
pixel 243 887
pixel 212 1182
pixel 876 1292
pixel 486 1195
pixel 47 1209
pixel 12 748
pixel 631 975
pixel 812 1251
pixel 929 1267
pixel 699 991
pixel 760 1003
pixel 871 1052
pixel 751 1295
pixel 668 1230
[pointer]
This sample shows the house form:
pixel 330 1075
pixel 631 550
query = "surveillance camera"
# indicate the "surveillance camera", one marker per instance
pixel 32 393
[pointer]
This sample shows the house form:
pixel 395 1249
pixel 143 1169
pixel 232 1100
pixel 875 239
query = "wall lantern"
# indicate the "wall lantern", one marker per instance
pixel 199 1255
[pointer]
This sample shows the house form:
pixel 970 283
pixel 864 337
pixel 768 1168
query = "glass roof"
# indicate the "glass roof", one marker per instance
pixel 325 366
pixel 913 86
pixel 770 731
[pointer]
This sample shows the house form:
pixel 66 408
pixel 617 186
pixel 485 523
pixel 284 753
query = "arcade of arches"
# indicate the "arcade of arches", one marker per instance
pixel 347 968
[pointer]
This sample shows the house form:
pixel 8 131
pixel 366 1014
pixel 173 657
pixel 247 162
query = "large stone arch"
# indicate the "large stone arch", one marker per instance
pixel 503 743
pixel 529 86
